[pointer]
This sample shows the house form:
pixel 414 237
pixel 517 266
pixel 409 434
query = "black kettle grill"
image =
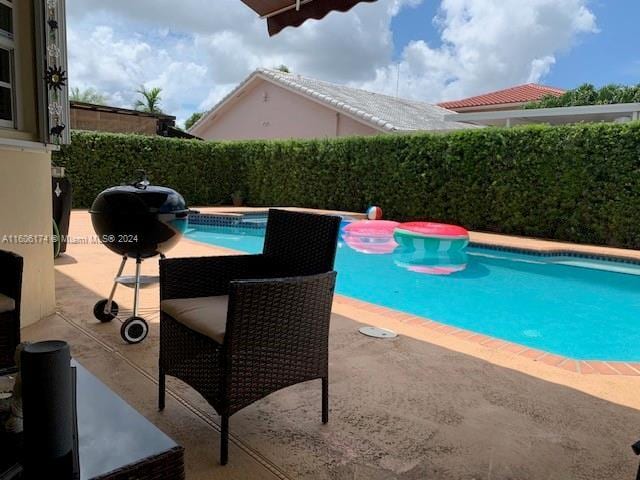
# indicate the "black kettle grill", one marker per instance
pixel 137 221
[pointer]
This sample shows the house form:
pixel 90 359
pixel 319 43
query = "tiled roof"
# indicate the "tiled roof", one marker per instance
pixel 529 92
pixel 382 112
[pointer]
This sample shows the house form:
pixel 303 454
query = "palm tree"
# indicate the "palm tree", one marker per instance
pixel 150 101
pixel 88 95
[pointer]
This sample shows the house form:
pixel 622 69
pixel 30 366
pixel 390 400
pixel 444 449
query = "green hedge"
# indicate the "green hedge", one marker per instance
pixel 577 183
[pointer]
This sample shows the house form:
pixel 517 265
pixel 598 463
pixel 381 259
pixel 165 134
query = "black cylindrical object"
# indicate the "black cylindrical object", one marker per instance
pixel 47 404
pixel 139 220
pixel 62 194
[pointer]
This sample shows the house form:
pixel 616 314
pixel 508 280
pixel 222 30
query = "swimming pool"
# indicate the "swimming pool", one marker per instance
pixel 571 306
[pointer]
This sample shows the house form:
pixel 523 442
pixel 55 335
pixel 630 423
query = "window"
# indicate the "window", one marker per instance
pixel 7 62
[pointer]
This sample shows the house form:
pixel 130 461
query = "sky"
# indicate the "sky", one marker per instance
pixel 430 50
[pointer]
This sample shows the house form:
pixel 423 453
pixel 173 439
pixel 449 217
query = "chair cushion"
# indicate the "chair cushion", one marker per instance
pixel 205 315
pixel 7 304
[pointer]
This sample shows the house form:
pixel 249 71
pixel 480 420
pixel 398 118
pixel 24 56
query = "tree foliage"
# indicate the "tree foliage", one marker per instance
pixel 588 94
pixel 190 122
pixel 88 95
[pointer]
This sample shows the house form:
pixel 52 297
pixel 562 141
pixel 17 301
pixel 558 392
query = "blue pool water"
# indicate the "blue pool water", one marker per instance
pixel 581 309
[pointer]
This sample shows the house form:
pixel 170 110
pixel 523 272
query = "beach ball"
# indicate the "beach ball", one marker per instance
pixel 374 213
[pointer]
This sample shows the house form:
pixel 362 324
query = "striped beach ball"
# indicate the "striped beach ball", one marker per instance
pixel 374 213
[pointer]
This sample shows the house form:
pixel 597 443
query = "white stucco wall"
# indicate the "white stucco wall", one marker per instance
pixel 267 111
pixel 25 183
pixel 25 209
pixel 348 126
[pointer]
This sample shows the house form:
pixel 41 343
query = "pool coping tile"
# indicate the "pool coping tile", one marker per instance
pixel 623 368
pixel 580 367
pixel 569 365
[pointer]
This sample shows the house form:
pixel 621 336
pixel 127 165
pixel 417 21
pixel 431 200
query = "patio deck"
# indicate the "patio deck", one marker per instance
pixel 424 405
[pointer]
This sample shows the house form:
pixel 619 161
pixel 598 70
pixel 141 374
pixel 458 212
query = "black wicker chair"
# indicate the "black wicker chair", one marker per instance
pixel 237 328
pixel 10 293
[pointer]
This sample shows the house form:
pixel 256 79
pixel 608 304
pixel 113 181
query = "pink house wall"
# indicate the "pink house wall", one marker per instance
pixel 267 111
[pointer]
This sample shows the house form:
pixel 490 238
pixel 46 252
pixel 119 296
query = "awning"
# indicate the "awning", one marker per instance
pixel 292 13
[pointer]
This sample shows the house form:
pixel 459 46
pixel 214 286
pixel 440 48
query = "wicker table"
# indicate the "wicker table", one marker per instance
pixel 118 443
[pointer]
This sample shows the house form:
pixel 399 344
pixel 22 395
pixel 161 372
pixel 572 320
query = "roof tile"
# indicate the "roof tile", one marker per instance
pixel 529 92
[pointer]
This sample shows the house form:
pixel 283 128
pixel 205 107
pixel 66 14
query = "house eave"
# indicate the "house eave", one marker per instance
pixel 558 115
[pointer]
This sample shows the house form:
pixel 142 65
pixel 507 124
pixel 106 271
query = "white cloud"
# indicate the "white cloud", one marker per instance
pixel 118 66
pixel 197 50
pixel 486 45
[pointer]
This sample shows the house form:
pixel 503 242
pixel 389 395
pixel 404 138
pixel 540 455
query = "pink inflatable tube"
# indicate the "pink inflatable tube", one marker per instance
pixel 370 236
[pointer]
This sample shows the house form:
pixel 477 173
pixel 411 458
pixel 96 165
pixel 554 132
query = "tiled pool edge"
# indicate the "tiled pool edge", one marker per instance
pixel 581 367
pixel 556 253
pixel 224 220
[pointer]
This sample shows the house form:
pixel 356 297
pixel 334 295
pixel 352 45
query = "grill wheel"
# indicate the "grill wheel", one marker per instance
pixel 134 330
pixel 100 313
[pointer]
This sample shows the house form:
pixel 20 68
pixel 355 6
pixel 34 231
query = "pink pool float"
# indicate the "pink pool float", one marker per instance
pixel 431 237
pixel 370 236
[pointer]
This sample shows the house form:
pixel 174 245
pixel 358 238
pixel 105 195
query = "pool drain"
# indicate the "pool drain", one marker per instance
pixel 377 332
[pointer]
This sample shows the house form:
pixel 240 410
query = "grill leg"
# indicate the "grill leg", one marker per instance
pixel 224 439
pixel 161 388
pixel 325 399
pixel 107 307
pixel 136 291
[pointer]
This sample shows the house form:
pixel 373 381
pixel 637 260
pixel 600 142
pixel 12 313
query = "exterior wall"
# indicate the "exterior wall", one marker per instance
pixel 347 126
pixel 25 182
pixel 82 119
pixel 267 111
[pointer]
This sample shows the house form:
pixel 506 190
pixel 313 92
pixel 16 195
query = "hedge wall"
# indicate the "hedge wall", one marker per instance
pixel 577 183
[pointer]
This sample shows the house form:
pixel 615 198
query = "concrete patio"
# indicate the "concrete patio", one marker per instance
pixel 424 405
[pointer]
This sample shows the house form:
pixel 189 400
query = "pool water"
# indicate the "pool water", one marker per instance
pixel 575 307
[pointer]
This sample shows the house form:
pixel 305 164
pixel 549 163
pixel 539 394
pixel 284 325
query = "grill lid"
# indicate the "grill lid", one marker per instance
pixel 138 198
pixel 139 220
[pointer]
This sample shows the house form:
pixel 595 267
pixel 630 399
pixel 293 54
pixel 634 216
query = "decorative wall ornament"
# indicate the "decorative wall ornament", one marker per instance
pixel 54 98
pixel 56 78
pixel 55 108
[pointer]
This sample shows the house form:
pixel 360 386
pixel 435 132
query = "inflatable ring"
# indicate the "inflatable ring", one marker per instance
pixel 431 237
pixel 370 236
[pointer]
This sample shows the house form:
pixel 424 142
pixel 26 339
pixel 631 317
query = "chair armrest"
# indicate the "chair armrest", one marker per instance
pixel 205 276
pixel 11 266
pixel 281 315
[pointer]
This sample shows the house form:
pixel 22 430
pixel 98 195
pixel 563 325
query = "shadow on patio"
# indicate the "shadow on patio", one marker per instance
pixel 404 408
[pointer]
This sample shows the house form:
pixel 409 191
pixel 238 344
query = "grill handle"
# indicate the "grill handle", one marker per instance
pixel 144 182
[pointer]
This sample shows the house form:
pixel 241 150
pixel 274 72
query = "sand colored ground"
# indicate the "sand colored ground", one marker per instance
pixel 424 405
